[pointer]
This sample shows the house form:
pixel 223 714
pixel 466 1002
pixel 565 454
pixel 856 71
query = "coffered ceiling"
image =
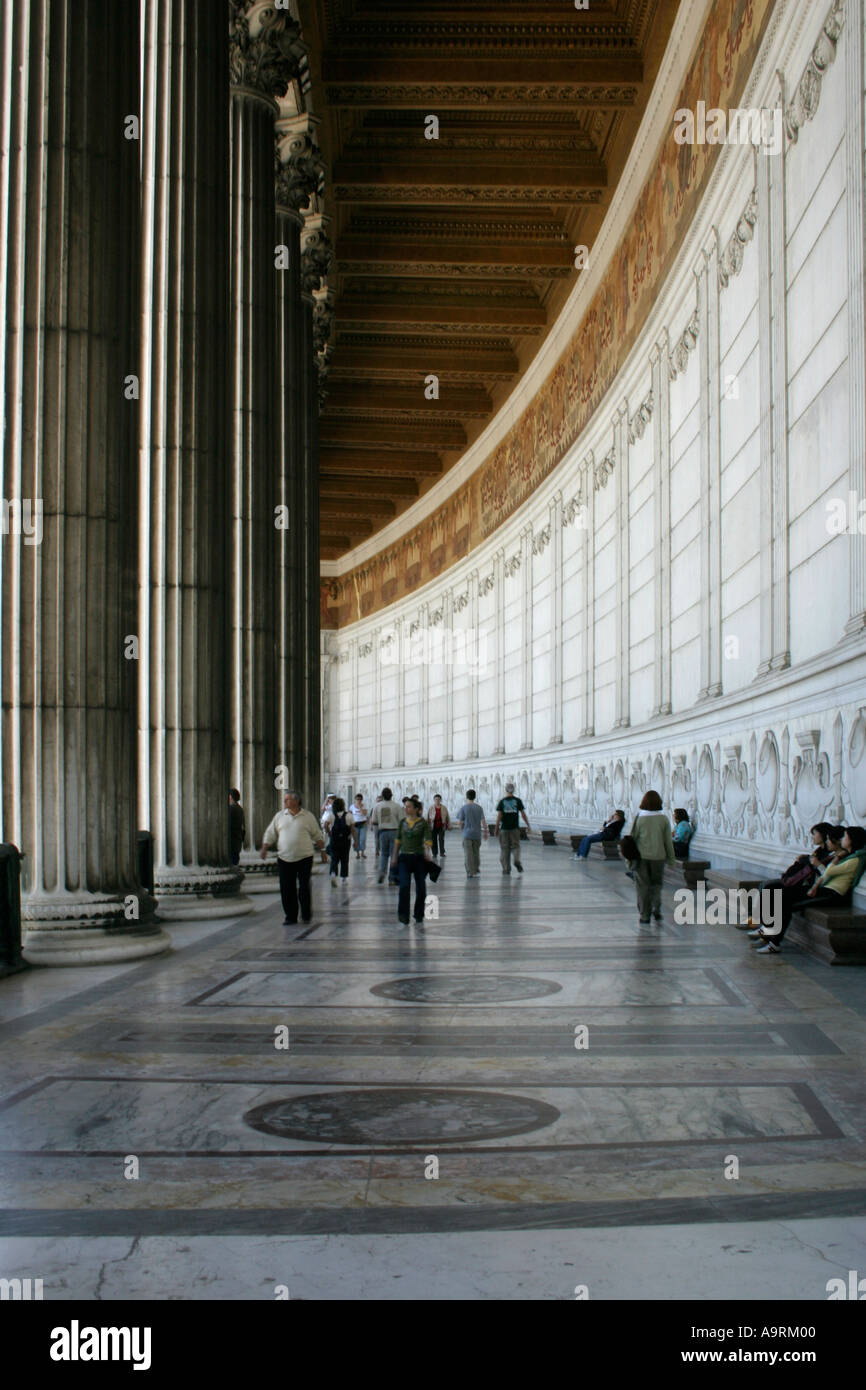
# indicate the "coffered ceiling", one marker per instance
pixel 454 255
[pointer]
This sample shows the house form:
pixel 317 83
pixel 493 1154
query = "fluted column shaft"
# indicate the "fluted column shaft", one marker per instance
pixel 183 678
pixel 290 404
pixel 310 561
pixel 68 280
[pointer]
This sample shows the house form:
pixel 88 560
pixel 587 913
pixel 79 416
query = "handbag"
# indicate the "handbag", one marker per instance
pixel 628 846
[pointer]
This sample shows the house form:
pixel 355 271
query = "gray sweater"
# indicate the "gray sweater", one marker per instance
pixel 652 834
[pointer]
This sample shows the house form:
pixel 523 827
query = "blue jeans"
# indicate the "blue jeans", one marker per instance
pixel 411 866
pixel 386 849
pixel 587 842
pixel 362 836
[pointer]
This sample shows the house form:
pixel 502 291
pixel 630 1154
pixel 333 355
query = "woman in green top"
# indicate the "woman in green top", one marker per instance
pixel 834 887
pixel 412 849
pixel 651 833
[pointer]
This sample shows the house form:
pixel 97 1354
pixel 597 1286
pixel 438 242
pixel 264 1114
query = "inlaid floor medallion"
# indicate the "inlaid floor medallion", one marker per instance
pixel 401 1115
pixel 465 989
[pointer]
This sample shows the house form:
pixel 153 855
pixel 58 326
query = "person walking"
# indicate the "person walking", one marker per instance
pixel 297 835
pixel 411 854
pixel 359 815
pixel 440 821
pixel 651 833
pixel 473 823
pixel 508 813
pixel 342 837
pixel 237 825
pixel 386 819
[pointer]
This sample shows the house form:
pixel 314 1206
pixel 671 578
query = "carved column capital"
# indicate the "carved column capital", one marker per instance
pixel 300 169
pixel 317 253
pixel 265 49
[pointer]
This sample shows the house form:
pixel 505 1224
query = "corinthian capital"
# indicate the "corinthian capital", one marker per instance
pixel 300 171
pixel 317 253
pixel 265 48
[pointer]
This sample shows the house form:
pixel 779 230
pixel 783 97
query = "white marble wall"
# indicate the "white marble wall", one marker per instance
pixel 670 609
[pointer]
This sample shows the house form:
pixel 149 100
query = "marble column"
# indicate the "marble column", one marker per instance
pixel 377 697
pixel 263 57
pixel 588 489
pixel 183 474
pixel 448 658
pixel 69 283
pixel 622 715
pixel 555 524
pixel 526 614
pixel 402 646
pixel 772 311
pixel 661 392
pixel 499 609
pixel 707 276
pixel 473 655
pixel 297 179
pixel 855 138
pixel 316 258
pixel 424 678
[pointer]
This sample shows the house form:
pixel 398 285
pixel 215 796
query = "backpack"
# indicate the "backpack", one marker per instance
pixel 340 831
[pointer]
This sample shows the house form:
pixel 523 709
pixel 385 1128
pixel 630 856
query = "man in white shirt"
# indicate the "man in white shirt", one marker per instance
pixel 297 836
pixel 386 818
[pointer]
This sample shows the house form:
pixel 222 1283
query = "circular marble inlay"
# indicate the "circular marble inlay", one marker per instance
pixel 401 1115
pixel 465 989
pixel 470 931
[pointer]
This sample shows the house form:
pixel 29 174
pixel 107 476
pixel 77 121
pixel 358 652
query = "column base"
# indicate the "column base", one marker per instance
pixel 260 875
pixel 197 894
pixel 67 944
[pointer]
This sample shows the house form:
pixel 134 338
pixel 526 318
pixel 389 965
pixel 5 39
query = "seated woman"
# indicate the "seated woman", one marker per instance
pixel 835 886
pixel 799 876
pixel 611 830
pixel 683 832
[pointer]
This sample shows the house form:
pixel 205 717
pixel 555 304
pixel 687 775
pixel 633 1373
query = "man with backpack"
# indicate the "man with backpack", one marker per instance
pixel 343 837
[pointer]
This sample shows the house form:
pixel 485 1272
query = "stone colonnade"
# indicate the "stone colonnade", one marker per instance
pixel 158 462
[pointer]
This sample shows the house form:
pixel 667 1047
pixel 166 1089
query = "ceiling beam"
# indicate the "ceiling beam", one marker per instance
pixel 400 435
pixel 372 505
pixel 373 461
pixel 398 256
pixel 359 485
pixel 446 310
pixel 522 70
pixel 380 397
pixel 381 360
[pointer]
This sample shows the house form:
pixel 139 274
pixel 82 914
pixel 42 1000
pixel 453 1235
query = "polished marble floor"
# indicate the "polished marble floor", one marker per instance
pixel 529 1092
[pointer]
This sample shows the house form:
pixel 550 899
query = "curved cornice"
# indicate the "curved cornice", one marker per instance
pixel 697 42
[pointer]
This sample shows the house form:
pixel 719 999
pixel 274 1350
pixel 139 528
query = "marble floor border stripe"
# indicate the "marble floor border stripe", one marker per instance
pixel 664 1211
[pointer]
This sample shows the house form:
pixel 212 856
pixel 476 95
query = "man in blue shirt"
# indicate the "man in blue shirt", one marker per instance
pixel 473 823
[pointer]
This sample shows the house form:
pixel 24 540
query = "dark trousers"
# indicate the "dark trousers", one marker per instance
pixel 340 858
pixel 796 900
pixel 411 866
pixel 587 843
pixel 294 885
pixel 439 840
pixel 681 849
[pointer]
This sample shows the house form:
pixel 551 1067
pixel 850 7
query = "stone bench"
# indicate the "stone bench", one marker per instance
pixel 548 837
pixel 836 935
pixel 687 872
pixel 609 848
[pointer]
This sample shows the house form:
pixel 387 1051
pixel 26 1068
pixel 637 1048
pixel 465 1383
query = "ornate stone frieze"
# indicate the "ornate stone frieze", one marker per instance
pixel 731 259
pixel 604 470
pixel 639 421
pixel 265 48
pixel 486 584
pixel 683 345
pixel 365 648
pixel 511 566
pixel 541 540
pixel 461 602
pixel 444 95
pixel 807 96
pixel 465 193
